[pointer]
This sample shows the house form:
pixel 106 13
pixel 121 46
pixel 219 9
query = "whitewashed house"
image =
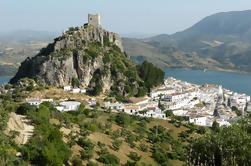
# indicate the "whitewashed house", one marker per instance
pixel 180 112
pixel 83 91
pixel 201 120
pixel 76 90
pixel 176 97
pixel 37 102
pixel 152 112
pixel 161 91
pixel 132 109
pixel 114 106
pixel 47 100
pixel 67 88
pixel 223 123
pixel 68 106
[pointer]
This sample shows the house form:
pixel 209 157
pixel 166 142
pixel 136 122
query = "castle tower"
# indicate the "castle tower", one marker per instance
pixel 94 20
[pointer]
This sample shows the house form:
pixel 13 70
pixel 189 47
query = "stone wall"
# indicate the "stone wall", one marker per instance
pixel 94 20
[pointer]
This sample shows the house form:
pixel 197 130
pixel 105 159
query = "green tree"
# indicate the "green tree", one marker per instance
pixel 116 144
pixel 215 126
pixel 169 113
pixel 75 82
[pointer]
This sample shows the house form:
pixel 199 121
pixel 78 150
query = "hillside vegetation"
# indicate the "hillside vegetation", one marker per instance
pixel 100 137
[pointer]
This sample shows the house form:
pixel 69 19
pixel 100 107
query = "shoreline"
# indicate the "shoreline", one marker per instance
pixel 210 70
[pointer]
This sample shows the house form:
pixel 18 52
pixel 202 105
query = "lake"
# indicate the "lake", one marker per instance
pixel 236 82
pixel 4 80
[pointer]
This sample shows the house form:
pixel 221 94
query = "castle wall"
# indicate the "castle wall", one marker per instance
pixel 94 20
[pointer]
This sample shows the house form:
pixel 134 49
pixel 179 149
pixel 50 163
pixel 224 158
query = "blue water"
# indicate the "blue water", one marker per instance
pixel 4 80
pixel 236 82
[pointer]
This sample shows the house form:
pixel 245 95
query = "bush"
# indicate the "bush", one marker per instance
pixel 109 159
pixel 134 156
pixel 201 130
pixel 116 145
pixel 23 109
pixel 86 144
pixel 106 41
pixel 143 147
pixel 169 113
pixel 90 163
pixel 85 59
pixel 75 82
pixel 106 58
pixel 235 109
pixel 215 127
pixel 86 154
pixel 76 161
pixel 123 119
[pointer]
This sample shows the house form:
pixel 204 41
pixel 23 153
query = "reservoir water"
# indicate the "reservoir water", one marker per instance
pixel 4 80
pixel 236 82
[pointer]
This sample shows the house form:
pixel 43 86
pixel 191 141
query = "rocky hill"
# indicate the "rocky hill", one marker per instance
pixel 221 42
pixel 88 57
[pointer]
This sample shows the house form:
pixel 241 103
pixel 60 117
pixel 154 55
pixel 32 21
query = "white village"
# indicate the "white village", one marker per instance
pixel 201 104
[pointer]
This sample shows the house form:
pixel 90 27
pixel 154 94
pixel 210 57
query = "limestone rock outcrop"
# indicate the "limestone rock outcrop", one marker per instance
pixel 90 54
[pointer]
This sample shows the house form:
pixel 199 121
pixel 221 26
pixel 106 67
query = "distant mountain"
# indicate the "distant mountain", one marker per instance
pixel 18 45
pixel 27 36
pixel 224 39
pixel 137 35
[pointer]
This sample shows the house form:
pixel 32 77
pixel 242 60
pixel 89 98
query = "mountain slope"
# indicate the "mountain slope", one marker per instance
pixel 224 38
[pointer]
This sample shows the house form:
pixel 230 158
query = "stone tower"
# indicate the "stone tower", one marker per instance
pixel 94 20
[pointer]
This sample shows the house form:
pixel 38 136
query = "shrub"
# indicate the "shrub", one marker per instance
pixel 90 163
pixel 85 59
pixel 123 119
pixel 75 82
pixel 116 145
pixel 86 154
pixel 109 159
pixel 169 113
pixel 201 130
pixel 106 41
pixel 86 144
pixel 76 161
pixel 106 58
pixel 134 156
pixel 143 147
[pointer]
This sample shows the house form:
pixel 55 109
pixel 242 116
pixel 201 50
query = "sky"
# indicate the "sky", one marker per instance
pixel 121 16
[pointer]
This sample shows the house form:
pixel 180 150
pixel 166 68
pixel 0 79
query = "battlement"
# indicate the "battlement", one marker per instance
pixel 94 20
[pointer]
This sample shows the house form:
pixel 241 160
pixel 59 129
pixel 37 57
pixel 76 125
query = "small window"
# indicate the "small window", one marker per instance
pixel 90 18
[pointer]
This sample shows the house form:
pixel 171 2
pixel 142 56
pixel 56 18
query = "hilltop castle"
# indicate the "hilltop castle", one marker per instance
pixel 94 20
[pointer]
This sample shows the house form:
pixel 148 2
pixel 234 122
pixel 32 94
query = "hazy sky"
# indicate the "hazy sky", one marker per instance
pixel 122 16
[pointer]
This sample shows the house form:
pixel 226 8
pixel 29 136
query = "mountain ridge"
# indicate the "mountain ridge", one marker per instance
pixel 222 38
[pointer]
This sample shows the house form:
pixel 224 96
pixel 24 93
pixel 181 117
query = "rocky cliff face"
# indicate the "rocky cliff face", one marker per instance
pixel 89 56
